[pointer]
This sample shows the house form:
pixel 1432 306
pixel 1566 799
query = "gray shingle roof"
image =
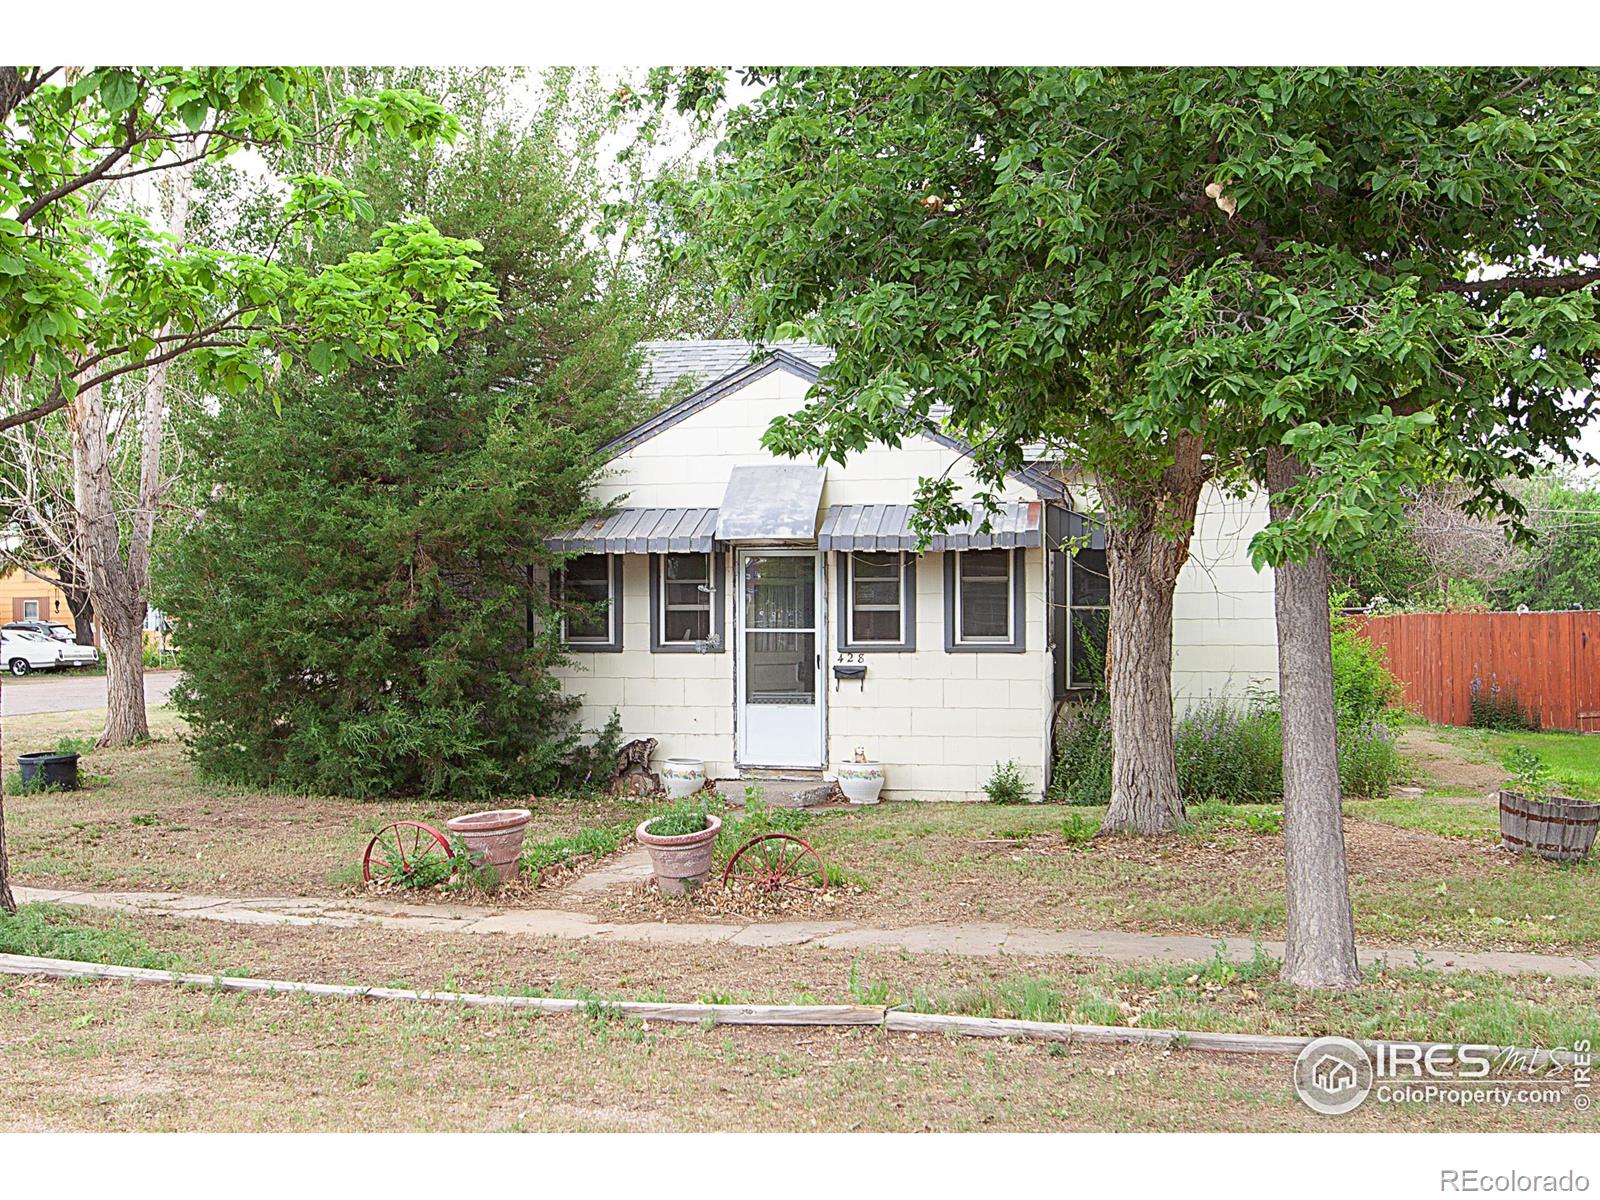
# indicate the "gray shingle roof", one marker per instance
pixel 709 360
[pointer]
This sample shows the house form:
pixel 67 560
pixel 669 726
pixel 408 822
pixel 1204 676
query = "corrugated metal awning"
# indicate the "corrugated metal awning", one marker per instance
pixel 642 531
pixel 888 527
pixel 771 503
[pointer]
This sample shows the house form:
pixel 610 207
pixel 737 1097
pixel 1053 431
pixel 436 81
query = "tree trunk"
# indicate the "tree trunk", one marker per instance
pixel 117 561
pixel 82 619
pixel 1144 776
pixel 79 603
pixel 118 587
pixel 1321 940
pixel 8 903
pixel 122 632
pixel 1147 542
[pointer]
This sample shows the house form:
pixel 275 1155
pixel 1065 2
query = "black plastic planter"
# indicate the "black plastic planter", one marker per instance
pixel 49 770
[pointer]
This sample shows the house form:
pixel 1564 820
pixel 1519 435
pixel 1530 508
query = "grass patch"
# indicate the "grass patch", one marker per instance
pixel 1393 1002
pixel 598 842
pixel 49 931
pixel 273 1063
pixel 1573 758
pixel 1477 822
pixel 1223 874
pixel 1222 996
pixel 1078 830
pixel 1208 817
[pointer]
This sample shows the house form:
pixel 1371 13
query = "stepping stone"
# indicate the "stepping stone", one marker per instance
pixel 631 868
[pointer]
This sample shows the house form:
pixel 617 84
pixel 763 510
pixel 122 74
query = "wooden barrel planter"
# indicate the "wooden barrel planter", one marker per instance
pixel 1553 827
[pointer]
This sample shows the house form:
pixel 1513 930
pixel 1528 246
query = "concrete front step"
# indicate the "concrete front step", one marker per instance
pixel 790 790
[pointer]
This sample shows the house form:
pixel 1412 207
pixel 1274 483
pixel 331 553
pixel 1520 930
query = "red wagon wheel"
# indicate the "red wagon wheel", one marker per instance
pixel 778 862
pixel 397 850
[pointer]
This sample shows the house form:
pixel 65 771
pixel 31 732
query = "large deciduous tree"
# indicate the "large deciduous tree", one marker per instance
pixel 1341 280
pixel 92 291
pixel 987 241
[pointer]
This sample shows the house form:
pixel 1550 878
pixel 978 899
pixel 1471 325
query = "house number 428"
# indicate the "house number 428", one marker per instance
pixel 852 658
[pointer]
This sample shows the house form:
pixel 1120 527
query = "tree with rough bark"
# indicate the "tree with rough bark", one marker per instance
pixel 1337 281
pixel 114 534
pixel 92 291
pixel 1419 300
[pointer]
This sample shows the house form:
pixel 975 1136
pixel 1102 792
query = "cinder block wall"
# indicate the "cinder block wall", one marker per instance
pixel 1224 633
pixel 939 722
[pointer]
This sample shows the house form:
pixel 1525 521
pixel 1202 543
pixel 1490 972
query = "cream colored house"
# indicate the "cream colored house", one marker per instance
pixel 772 617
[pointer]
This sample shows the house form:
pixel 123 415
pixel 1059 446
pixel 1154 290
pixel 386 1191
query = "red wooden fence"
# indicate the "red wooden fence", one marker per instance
pixel 1552 659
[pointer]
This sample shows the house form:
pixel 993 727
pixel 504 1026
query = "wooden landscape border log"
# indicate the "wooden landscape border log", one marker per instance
pixel 1175 1039
pixel 1050 1031
pixel 721 1014
pixel 860 1015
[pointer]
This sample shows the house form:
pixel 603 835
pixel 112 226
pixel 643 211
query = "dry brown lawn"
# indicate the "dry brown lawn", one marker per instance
pixel 1400 1002
pixel 108 1056
pixel 145 822
pixel 1423 873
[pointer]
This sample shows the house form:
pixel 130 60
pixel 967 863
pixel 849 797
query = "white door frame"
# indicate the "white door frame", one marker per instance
pixel 805 756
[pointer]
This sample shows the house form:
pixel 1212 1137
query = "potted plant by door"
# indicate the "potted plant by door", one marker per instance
pixel 683 777
pixel 680 842
pixel 1551 826
pixel 861 779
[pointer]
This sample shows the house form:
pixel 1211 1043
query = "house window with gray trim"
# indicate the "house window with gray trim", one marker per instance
pixel 590 589
pixel 983 602
pixel 686 603
pixel 878 594
pixel 1089 617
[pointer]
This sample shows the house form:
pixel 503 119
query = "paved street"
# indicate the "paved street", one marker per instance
pixel 43 693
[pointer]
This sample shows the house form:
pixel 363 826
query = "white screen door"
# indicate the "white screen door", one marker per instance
pixel 779 627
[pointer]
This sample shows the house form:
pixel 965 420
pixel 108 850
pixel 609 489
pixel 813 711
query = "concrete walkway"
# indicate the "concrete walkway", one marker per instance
pixel 981 939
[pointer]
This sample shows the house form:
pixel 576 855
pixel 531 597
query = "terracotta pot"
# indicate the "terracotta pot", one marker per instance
pixel 861 781
pixel 680 863
pixel 493 838
pixel 683 776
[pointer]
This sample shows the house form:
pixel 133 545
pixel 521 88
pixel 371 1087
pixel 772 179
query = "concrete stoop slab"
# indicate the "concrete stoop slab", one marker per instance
pixel 779 793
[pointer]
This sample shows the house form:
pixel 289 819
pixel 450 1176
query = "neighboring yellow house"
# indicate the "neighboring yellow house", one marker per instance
pixel 25 597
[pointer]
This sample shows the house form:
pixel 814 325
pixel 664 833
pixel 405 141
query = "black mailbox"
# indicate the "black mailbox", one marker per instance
pixel 856 671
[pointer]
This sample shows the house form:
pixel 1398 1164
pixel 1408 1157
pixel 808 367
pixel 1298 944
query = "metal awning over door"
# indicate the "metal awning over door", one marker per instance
pixel 888 527
pixel 775 502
